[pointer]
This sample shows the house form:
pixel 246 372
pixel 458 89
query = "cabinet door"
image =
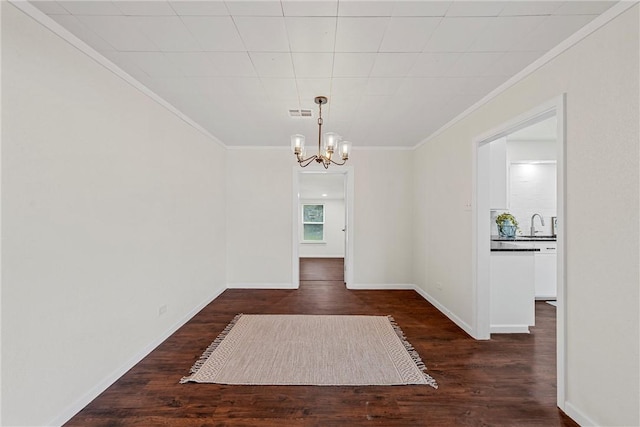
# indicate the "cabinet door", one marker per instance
pixel 545 275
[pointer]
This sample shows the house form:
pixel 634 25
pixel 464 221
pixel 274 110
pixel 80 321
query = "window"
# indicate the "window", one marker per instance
pixel 312 223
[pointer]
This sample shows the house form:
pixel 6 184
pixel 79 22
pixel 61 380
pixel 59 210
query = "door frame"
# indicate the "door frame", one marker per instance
pixel 481 227
pixel 347 171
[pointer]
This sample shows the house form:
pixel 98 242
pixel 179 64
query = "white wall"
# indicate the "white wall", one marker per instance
pixel 334 239
pixel 520 150
pixel 600 77
pixel 532 189
pixel 111 208
pixel 259 215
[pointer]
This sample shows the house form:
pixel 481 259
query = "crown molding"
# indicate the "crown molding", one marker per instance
pixel 600 21
pixel 66 35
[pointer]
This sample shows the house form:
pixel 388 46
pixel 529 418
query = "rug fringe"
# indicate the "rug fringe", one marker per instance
pixel 413 353
pixel 212 347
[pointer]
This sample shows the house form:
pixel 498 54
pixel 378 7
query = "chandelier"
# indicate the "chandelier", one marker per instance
pixel 331 143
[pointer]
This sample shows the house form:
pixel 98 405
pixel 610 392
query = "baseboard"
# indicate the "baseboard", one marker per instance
pixel 261 285
pixel 380 286
pixel 83 401
pixel 452 316
pixel 509 329
pixel 577 415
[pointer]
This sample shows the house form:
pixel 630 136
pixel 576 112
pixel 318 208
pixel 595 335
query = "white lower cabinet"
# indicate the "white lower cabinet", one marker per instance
pixel 512 292
pixel 545 270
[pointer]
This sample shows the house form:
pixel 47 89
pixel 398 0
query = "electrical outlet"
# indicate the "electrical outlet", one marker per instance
pixel 162 310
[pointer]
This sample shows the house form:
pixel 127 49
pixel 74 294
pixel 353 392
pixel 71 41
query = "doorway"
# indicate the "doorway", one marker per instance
pixel 322 224
pixel 482 224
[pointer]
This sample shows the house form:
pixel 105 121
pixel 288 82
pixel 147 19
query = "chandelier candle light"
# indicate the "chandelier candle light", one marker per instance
pixel 326 147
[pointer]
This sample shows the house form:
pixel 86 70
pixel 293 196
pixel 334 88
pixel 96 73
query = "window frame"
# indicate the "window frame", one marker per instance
pixel 303 222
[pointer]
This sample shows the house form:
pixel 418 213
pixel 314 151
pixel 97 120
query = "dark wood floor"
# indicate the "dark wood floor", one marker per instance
pixel 507 381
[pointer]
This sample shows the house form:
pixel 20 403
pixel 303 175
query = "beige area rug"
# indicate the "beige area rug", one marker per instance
pixel 311 350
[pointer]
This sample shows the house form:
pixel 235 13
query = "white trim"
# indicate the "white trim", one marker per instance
pixel 331 256
pixel 561 252
pixel 583 32
pixel 356 148
pixel 444 310
pixel 92 393
pixel 63 33
pixel 261 285
pixel 510 329
pixel 578 416
pixel 480 222
pixel 381 286
pixel 261 147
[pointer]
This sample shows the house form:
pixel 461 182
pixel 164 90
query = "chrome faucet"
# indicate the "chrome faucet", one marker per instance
pixel 533 227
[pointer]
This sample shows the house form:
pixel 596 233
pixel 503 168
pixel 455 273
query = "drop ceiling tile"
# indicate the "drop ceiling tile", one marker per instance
pixel 262 34
pixel 193 64
pixel 353 64
pixel 418 90
pixel 308 89
pixel 282 89
pixel 254 8
pixel 583 7
pixel 311 34
pixel 382 86
pixel 455 34
pixel 272 64
pixel 393 64
pixel 475 8
pixel 482 85
pixel 473 64
pixel 310 8
pixel 348 87
pixel 433 64
pixel 503 32
pixel 199 8
pixel 145 8
pixel 360 34
pixel 120 32
pixel 167 32
pixel 214 33
pixel 365 8
pixel 512 63
pixel 552 31
pixel 215 88
pixel 408 34
pixel 233 64
pixel 84 33
pixel 530 8
pixel 247 89
pixel 50 7
pixel 312 65
pixel 420 8
pixel 155 64
pixel 91 7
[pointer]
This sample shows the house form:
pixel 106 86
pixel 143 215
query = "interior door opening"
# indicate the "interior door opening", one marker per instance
pixel 322 219
pixel 495 170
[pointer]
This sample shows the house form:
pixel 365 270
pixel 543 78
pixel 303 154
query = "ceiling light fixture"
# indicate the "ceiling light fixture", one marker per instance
pixel 326 147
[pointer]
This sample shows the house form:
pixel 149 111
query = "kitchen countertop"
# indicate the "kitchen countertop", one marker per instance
pixel 509 246
pixel 524 239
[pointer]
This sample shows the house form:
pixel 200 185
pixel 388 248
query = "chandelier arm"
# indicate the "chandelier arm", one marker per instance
pixel 336 163
pixel 307 160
